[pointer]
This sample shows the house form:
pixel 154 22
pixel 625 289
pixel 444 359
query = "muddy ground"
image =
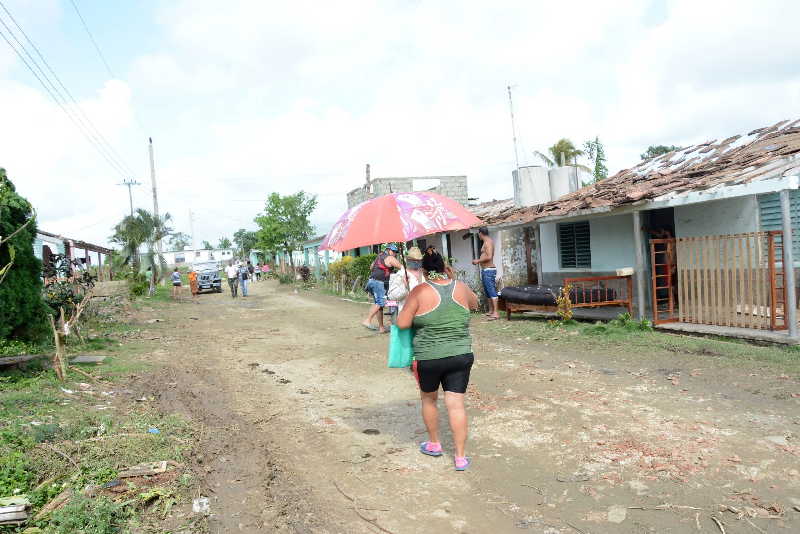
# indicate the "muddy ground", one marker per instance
pixel 303 428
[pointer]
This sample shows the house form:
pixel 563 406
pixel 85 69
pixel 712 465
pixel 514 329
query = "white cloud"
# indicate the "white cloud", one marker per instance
pixel 260 97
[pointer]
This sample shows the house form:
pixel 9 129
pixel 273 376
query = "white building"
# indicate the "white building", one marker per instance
pixel 189 256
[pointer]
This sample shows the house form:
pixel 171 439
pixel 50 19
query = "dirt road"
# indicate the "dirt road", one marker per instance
pixel 304 429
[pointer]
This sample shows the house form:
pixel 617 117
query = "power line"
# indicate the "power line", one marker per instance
pixel 102 56
pixel 79 119
pixel 130 183
pixel 91 38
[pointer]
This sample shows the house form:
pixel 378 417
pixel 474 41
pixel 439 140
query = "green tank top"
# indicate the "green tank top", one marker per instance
pixel 443 331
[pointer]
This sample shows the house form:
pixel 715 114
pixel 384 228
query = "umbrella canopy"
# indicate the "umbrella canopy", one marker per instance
pixel 397 217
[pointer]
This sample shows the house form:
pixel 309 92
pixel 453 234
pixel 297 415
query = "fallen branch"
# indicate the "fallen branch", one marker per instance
pixel 755 526
pixel 579 531
pixel 697 521
pixel 719 524
pixel 664 507
pixel 58 452
pixel 84 373
pixel 373 522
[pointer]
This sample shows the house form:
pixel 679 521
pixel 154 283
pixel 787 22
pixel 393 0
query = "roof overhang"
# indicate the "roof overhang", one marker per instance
pixel 672 200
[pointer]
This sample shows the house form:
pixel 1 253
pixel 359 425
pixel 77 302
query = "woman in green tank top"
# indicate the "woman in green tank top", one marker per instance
pixel 438 310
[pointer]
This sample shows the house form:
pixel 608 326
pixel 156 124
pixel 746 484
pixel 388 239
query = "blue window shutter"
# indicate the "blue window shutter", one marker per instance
pixel 769 208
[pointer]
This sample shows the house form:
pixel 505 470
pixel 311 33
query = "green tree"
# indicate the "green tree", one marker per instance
pixel 245 242
pixel 657 150
pixel 597 155
pixel 179 240
pixel 563 152
pixel 22 310
pixel 286 223
pixel 224 242
pixel 143 228
pixel 207 245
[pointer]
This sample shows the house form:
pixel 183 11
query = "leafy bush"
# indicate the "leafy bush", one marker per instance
pixel 90 516
pixel 285 278
pixel 360 267
pixel 22 311
pixel 305 273
pixel 625 321
pixel 15 474
pixel 12 347
pixel 338 268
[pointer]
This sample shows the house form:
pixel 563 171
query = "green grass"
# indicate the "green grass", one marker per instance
pixel 37 417
pixel 632 337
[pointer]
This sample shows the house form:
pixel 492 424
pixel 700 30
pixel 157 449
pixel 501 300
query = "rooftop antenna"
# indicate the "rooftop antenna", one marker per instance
pixel 513 127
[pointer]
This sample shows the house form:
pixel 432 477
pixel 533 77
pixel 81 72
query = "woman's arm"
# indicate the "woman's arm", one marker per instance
pixel 469 295
pixel 406 317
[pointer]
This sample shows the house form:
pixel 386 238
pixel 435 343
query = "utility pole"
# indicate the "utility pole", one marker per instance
pixel 155 213
pixel 191 229
pixel 130 183
pixel 513 128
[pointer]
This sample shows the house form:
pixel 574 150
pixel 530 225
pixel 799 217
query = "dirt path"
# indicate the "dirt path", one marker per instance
pixel 284 386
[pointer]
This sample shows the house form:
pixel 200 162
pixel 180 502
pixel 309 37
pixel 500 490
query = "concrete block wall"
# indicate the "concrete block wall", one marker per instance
pixel 454 187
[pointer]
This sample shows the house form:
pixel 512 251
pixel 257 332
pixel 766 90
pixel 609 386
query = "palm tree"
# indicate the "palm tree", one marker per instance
pixel 143 228
pixel 562 153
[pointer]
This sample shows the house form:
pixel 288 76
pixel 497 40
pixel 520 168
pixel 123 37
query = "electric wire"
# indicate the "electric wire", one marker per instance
pixel 91 38
pixel 79 119
pixel 103 57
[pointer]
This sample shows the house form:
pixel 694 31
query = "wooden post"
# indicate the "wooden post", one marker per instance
pixel 790 307
pixel 538 248
pixel 640 268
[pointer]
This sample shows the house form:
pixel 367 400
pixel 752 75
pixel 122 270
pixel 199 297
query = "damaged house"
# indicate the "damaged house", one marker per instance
pixel 703 229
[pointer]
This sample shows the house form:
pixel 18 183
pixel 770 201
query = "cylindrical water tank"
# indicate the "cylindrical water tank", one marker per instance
pixel 563 181
pixel 531 186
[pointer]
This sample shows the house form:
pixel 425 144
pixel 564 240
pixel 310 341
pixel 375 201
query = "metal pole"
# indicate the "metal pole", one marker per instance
pixel 790 313
pixel 513 127
pixel 640 270
pixel 155 193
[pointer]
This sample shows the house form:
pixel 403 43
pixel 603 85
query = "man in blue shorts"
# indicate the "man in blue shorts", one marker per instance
pixel 488 271
pixel 376 286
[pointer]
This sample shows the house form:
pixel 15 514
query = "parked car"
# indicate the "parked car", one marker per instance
pixel 208 278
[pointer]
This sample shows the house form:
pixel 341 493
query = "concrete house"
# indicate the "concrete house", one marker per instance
pixel 702 227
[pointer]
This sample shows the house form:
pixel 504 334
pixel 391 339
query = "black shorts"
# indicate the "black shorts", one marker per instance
pixel 176 284
pixel 451 372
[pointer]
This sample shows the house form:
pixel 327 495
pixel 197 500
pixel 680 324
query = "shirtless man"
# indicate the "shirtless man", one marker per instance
pixel 488 271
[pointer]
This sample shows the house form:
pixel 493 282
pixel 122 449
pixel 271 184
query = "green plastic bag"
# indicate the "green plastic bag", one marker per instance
pixel 401 350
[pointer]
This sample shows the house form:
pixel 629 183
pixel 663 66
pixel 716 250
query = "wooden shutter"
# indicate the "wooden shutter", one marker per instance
pixel 574 245
pixel 769 208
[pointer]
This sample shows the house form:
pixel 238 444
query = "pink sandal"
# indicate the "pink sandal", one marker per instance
pixel 462 463
pixel 431 449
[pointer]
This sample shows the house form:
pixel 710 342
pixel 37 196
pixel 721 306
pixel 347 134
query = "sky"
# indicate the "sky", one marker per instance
pixel 246 98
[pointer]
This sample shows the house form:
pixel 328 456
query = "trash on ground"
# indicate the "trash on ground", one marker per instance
pixel 153 430
pixel 147 468
pixel 13 510
pixel 201 506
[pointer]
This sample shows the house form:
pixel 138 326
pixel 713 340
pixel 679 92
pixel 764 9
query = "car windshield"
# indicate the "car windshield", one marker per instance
pixel 211 266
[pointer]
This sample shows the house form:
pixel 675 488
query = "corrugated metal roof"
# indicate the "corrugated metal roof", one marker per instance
pixel 763 153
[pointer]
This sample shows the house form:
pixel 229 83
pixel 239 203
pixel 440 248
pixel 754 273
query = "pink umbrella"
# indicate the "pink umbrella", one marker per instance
pixel 398 217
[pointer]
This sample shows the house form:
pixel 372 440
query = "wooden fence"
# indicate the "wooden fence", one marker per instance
pixel 729 280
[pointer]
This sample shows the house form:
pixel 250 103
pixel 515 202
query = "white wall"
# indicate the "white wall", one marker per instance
pixel 611 243
pixel 198 256
pixel 719 217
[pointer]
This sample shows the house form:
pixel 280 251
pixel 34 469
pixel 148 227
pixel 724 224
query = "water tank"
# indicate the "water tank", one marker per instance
pixel 531 186
pixel 563 181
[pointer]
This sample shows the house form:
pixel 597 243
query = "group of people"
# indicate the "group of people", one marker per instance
pixel 240 274
pixel 437 306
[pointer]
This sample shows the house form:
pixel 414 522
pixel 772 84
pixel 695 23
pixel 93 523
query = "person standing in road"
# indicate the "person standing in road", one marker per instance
pixel 404 281
pixel 433 261
pixel 232 272
pixel 439 311
pixel 251 271
pixel 193 284
pixel 244 276
pixel 176 284
pixel 376 285
pixel 488 271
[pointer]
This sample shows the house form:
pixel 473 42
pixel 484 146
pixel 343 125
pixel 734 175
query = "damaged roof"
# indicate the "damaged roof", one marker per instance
pixel 763 153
